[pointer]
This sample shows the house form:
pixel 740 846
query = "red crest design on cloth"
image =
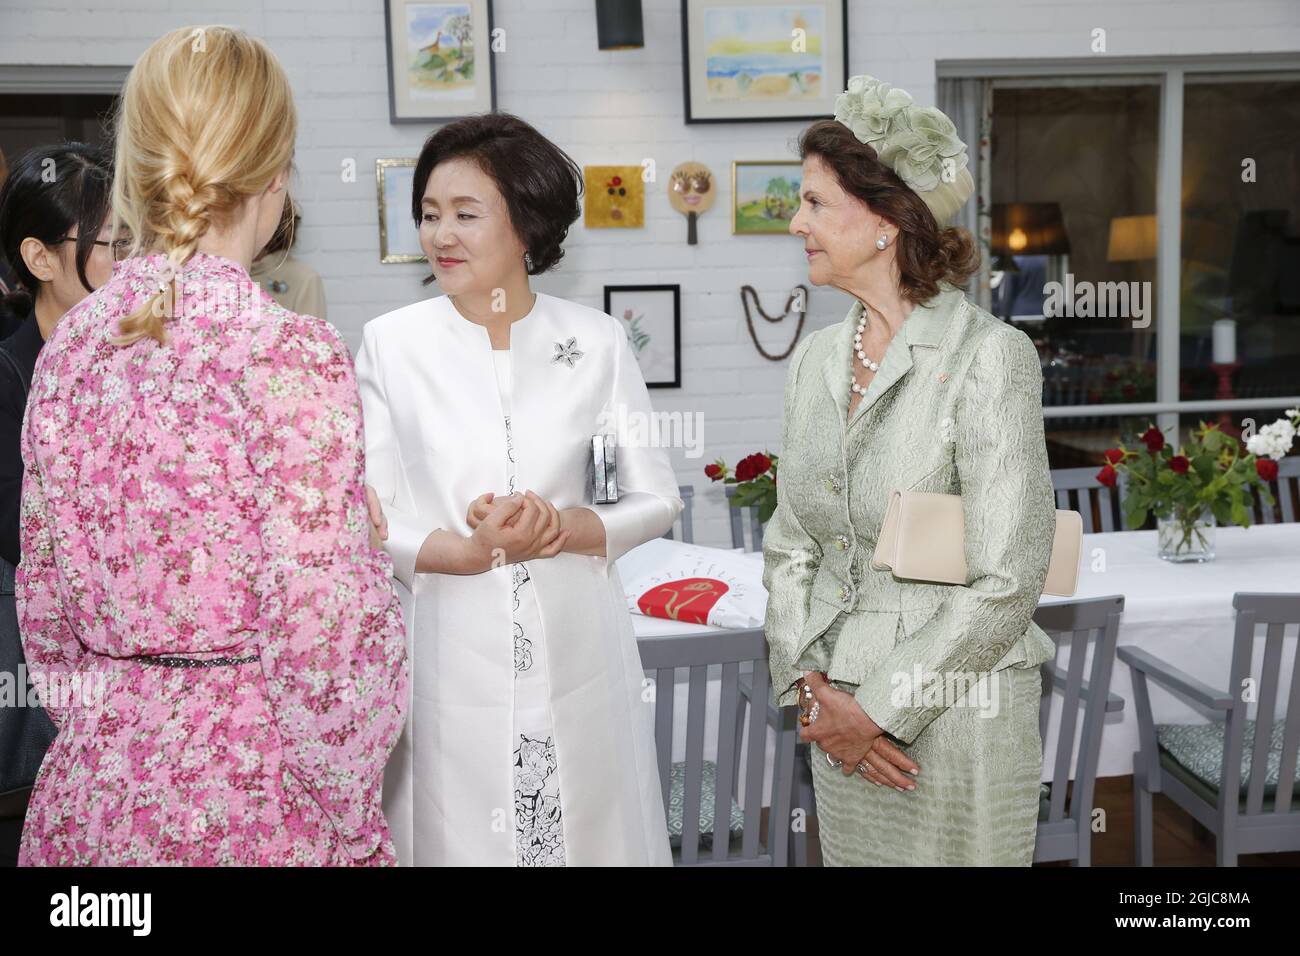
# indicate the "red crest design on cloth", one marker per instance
pixel 688 599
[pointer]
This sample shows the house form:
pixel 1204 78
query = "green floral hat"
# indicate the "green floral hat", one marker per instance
pixel 919 143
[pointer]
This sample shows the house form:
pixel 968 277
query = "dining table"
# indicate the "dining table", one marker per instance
pixel 1179 612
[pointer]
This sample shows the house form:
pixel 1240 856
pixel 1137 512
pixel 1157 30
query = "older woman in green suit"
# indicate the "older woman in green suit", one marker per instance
pixel 924 696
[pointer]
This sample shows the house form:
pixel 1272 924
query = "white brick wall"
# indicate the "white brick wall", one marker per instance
pixel 618 107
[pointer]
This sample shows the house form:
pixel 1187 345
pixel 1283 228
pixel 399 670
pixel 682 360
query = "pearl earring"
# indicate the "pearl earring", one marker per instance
pixel 881 242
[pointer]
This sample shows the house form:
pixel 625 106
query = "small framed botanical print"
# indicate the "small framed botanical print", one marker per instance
pixel 440 64
pixel 753 61
pixel 764 197
pixel 399 237
pixel 651 317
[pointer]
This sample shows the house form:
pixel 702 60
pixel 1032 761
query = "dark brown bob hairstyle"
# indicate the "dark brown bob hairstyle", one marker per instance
pixel 541 184
pixel 926 253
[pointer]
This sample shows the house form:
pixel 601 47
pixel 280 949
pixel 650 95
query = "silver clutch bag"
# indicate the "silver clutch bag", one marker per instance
pixel 604 469
pixel 923 538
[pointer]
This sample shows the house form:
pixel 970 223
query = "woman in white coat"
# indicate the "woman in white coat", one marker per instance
pixel 529 741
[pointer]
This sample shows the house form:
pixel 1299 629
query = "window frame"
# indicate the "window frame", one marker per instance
pixel 1171 74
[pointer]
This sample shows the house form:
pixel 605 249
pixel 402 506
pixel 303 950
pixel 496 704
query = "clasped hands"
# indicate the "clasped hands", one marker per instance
pixel 843 730
pixel 518 527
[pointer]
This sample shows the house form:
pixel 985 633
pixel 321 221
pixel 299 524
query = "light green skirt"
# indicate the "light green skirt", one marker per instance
pixel 976 798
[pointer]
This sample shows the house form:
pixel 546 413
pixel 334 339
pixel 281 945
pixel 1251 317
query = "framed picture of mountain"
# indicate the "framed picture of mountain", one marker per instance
pixel 756 61
pixel 440 64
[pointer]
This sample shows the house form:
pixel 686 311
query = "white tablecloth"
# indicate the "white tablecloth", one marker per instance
pixel 1179 612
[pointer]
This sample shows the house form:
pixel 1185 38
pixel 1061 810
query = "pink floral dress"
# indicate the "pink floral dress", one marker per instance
pixel 205 499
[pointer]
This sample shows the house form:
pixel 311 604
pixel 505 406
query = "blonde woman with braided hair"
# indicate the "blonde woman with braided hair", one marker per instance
pixel 194 528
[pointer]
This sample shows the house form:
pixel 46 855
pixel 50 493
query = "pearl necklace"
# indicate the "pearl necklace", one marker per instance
pixel 862 355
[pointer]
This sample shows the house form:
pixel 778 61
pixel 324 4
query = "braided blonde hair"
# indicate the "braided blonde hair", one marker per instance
pixel 205 122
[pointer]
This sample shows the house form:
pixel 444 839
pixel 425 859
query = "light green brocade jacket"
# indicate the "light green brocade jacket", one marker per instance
pixel 955 407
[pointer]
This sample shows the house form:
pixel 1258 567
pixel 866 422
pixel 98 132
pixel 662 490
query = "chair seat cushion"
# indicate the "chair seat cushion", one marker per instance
pixel 1198 748
pixel 677 805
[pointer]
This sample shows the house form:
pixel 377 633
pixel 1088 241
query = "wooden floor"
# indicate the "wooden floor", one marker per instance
pixel 1176 840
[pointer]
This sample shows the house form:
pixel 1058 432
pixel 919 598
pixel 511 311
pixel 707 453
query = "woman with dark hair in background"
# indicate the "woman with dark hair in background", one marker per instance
pixel 6 274
pixel 55 237
pixel 286 279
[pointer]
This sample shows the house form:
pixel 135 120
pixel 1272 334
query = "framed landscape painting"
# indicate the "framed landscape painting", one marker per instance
pixel 651 317
pixel 764 197
pixel 763 60
pixel 440 63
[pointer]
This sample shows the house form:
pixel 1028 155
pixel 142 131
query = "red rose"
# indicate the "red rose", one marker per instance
pixel 1179 464
pixel 761 463
pixel 713 471
pixel 1266 468
pixel 744 469
pixel 1107 476
pixel 1114 456
pixel 1154 439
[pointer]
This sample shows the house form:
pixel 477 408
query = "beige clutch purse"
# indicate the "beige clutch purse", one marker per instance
pixel 923 538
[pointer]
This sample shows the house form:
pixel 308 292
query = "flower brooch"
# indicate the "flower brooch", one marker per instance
pixel 567 352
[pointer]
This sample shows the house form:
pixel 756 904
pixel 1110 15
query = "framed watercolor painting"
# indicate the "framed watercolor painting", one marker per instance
pixel 440 64
pixel 752 61
pixel 651 317
pixel 764 197
pixel 399 237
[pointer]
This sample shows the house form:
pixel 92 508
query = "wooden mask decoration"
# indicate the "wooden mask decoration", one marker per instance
pixel 692 190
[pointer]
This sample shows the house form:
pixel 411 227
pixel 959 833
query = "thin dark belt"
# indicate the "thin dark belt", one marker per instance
pixel 194 662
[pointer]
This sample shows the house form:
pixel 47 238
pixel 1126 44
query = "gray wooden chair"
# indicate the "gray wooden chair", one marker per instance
pixel 805 796
pixel 687 494
pixel 1077 489
pixel 738 522
pixel 1251 760
pixel 1286 494
pixel 721 832
pixel 1066 834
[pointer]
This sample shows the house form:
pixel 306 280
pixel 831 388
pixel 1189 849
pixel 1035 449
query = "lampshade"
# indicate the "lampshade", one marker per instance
pixel 1132 238
pixel 1029 229
pixel 618 25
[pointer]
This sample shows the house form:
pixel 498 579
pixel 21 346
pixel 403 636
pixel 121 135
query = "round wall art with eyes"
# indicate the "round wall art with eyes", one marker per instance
pixel 691 192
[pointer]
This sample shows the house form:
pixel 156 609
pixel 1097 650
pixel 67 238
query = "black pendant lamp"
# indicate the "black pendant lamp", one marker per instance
pixel 618 25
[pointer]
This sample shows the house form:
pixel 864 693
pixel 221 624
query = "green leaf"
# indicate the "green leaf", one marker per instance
pixel 1135 513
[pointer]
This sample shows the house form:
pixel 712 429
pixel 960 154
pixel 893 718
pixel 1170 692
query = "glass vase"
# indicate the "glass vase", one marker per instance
pixel 1186 535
